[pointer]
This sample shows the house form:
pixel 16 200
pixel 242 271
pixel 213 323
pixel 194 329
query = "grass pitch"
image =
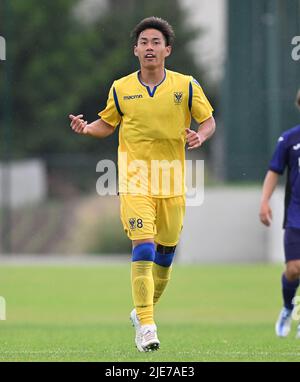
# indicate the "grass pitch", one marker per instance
pixel 81 313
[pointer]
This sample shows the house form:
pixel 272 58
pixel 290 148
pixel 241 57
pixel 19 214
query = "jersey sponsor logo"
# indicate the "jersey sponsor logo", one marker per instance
pixel 296 147
pixel 178 97
pixel 135 96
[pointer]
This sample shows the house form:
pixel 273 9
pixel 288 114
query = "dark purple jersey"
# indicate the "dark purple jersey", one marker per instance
pixel 287 154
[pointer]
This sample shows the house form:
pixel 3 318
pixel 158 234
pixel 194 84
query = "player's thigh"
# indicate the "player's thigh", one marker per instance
pixel 138 216
pixel 292 244
pixel 292 252
pixel 169 220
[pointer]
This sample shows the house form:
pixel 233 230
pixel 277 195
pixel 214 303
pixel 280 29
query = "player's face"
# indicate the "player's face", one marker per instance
pixel 151 49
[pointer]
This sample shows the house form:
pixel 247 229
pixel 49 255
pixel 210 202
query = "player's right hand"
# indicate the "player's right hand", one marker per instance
pixel 78 125
pixel 265 214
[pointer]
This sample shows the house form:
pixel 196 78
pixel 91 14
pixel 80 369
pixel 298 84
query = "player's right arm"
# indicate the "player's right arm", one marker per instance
pixel 270 183
pixel 98 128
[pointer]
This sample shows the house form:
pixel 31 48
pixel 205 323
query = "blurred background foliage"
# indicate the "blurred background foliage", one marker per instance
pixel 62 57
pixel 64 63
pixel 61 60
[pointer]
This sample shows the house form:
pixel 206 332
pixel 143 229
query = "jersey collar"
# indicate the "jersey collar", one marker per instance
pixel 151 93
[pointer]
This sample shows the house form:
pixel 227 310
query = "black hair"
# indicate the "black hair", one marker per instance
pixel 154 23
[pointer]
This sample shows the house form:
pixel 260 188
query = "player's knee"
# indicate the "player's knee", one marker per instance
pixel 143 252
pixel 164 255
pixel 165 250
pixel 135 243
pixel 293 270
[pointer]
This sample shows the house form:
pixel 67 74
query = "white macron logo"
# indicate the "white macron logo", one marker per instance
pixel 296 147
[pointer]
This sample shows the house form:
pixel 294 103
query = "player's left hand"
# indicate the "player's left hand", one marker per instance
pixel 194 139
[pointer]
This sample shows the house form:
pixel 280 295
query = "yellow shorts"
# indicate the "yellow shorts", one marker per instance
pixel 145 217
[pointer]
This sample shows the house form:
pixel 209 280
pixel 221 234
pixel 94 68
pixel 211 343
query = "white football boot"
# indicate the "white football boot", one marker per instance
pixel 136 324
pixel 284 322
pixel 149 340
pixel 145 335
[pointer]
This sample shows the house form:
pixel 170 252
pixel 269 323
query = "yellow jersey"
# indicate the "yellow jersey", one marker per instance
pixel 151 153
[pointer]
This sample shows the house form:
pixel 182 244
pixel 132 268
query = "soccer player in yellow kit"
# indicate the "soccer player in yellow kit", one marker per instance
pixel 153 108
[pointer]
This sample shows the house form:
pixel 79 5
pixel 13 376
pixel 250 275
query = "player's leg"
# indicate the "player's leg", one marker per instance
pixel 170 215
pixel 142 315
pixel 138 217
pixel 162 268
pixel 142 279
pixel 289 280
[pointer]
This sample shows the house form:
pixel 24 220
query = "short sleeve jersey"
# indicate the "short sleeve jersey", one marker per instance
pixel 152 122
pixel 287 155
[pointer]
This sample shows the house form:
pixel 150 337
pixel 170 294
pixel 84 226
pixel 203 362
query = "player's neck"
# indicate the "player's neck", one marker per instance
pixel 153 77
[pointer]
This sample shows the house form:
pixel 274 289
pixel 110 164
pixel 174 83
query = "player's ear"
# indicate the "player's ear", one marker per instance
pixel 168 50
pixel 135 51
pixel 298 99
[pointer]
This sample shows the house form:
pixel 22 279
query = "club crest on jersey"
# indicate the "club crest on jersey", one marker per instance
pixel 178 97
pixel 132 223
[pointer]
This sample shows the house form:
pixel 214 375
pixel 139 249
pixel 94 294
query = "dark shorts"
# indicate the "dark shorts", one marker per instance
pixel 292 244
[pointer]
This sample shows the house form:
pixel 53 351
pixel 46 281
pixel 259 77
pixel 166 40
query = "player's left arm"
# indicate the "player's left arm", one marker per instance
pixel 270 183
pixel 205 131
pixel 202 112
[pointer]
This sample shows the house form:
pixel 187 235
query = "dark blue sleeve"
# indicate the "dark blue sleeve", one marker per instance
pixel 280 156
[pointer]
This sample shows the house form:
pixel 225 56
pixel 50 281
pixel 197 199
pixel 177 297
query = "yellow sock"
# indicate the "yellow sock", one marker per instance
pixel 161 277
pixel 142 290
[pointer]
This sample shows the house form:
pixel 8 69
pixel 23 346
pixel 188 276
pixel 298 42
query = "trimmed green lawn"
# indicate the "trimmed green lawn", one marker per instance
pixel 81 313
